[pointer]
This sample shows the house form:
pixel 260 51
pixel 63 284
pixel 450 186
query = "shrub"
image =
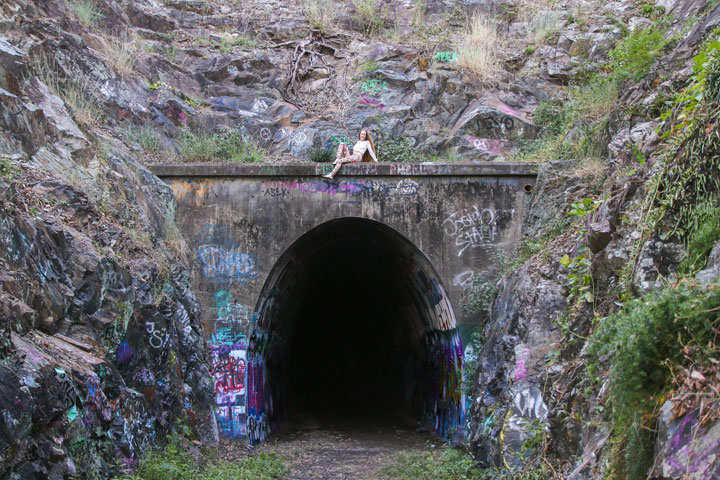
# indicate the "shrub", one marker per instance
pixel 398 149
pixel 224 146
pixel 8 168
pixel 86 12
pixel 643 341
pixel 477 49
pixel 634 55
pixel 702 239
pixel 322 155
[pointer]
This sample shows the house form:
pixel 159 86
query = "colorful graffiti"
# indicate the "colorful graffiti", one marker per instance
pixel 220 263
pixel 371 101
pixel 490 146
pixel 279 189
pixel 446 57
pixel 228 370
pixel 372 85
pixel 444 400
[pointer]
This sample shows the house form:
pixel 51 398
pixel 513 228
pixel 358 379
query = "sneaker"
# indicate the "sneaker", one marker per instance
pixel 328 176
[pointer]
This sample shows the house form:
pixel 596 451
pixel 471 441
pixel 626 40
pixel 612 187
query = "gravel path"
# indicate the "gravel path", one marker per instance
pixel 344 452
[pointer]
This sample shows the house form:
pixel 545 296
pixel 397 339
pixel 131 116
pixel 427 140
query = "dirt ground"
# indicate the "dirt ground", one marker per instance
pixel 335 451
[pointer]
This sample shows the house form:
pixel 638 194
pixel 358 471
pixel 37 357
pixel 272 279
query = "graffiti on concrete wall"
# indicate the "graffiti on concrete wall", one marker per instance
pixel 228 347
pixel 220 263
pixel 228 370
pixel 259 401
pixel 471 228
pixel 284 188
pixel 444 400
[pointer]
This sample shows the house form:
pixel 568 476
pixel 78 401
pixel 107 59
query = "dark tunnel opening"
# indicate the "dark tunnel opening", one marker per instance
pixel 354 324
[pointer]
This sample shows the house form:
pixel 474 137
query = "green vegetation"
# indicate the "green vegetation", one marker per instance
pixel 645 342
pixel 230 145
pixel 8 168
pixel 174 463
pixel 449 463
pixel 322 155
pixel 689 182
pixel 86 12
pixel 702 238
pixel 146 137
pixel 74 90
pixel 399 149
pixel 576 128
pixel 320 14
pixel 653 344
pixel 370 16
pixel 225 146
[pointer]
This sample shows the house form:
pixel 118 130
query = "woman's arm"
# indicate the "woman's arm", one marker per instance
pixel 372 152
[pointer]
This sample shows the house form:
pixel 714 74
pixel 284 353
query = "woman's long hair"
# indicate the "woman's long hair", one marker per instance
pixel 366 156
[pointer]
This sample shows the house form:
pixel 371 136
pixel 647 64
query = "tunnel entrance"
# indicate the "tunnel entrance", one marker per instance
pixel 354 323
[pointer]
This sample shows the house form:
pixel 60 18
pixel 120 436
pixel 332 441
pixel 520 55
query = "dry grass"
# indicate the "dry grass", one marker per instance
pixel 122 54
pixel 320 13
pixel 477 49
pixel 541 25
pixel 75 91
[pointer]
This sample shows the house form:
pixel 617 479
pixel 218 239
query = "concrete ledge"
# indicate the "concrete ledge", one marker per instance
pixel 348 170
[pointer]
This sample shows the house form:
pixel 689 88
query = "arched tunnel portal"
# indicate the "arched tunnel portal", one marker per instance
pixel 354 321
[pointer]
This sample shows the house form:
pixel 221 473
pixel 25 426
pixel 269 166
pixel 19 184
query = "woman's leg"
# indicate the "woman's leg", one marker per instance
pixel 338 163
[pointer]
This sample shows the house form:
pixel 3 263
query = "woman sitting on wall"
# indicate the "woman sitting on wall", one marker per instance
pixel 363 150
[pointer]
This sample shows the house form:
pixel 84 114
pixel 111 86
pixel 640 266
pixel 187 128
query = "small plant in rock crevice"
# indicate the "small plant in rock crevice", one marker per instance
pixel 322 155
pixel 8 168
pixel 320 13
pixel 86 12
pixel 370 15
pixel 75 91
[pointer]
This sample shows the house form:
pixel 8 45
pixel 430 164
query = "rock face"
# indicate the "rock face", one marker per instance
pixel 102 353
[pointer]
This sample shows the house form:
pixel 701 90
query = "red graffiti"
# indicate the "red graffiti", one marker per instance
pixel 229 374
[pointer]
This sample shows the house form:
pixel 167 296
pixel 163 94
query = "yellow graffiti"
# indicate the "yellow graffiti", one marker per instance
pixel 502 439
pixel 197 190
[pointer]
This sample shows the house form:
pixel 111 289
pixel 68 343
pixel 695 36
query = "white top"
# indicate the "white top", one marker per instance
pixel 362 147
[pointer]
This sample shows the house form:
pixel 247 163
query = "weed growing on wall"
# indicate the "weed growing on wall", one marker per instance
pixel 399 149
pixel 689 183
pixel 320 14
pixel 8 168
pixel 370 15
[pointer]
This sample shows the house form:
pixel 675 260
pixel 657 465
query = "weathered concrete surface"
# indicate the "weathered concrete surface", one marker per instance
pixel 239 219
